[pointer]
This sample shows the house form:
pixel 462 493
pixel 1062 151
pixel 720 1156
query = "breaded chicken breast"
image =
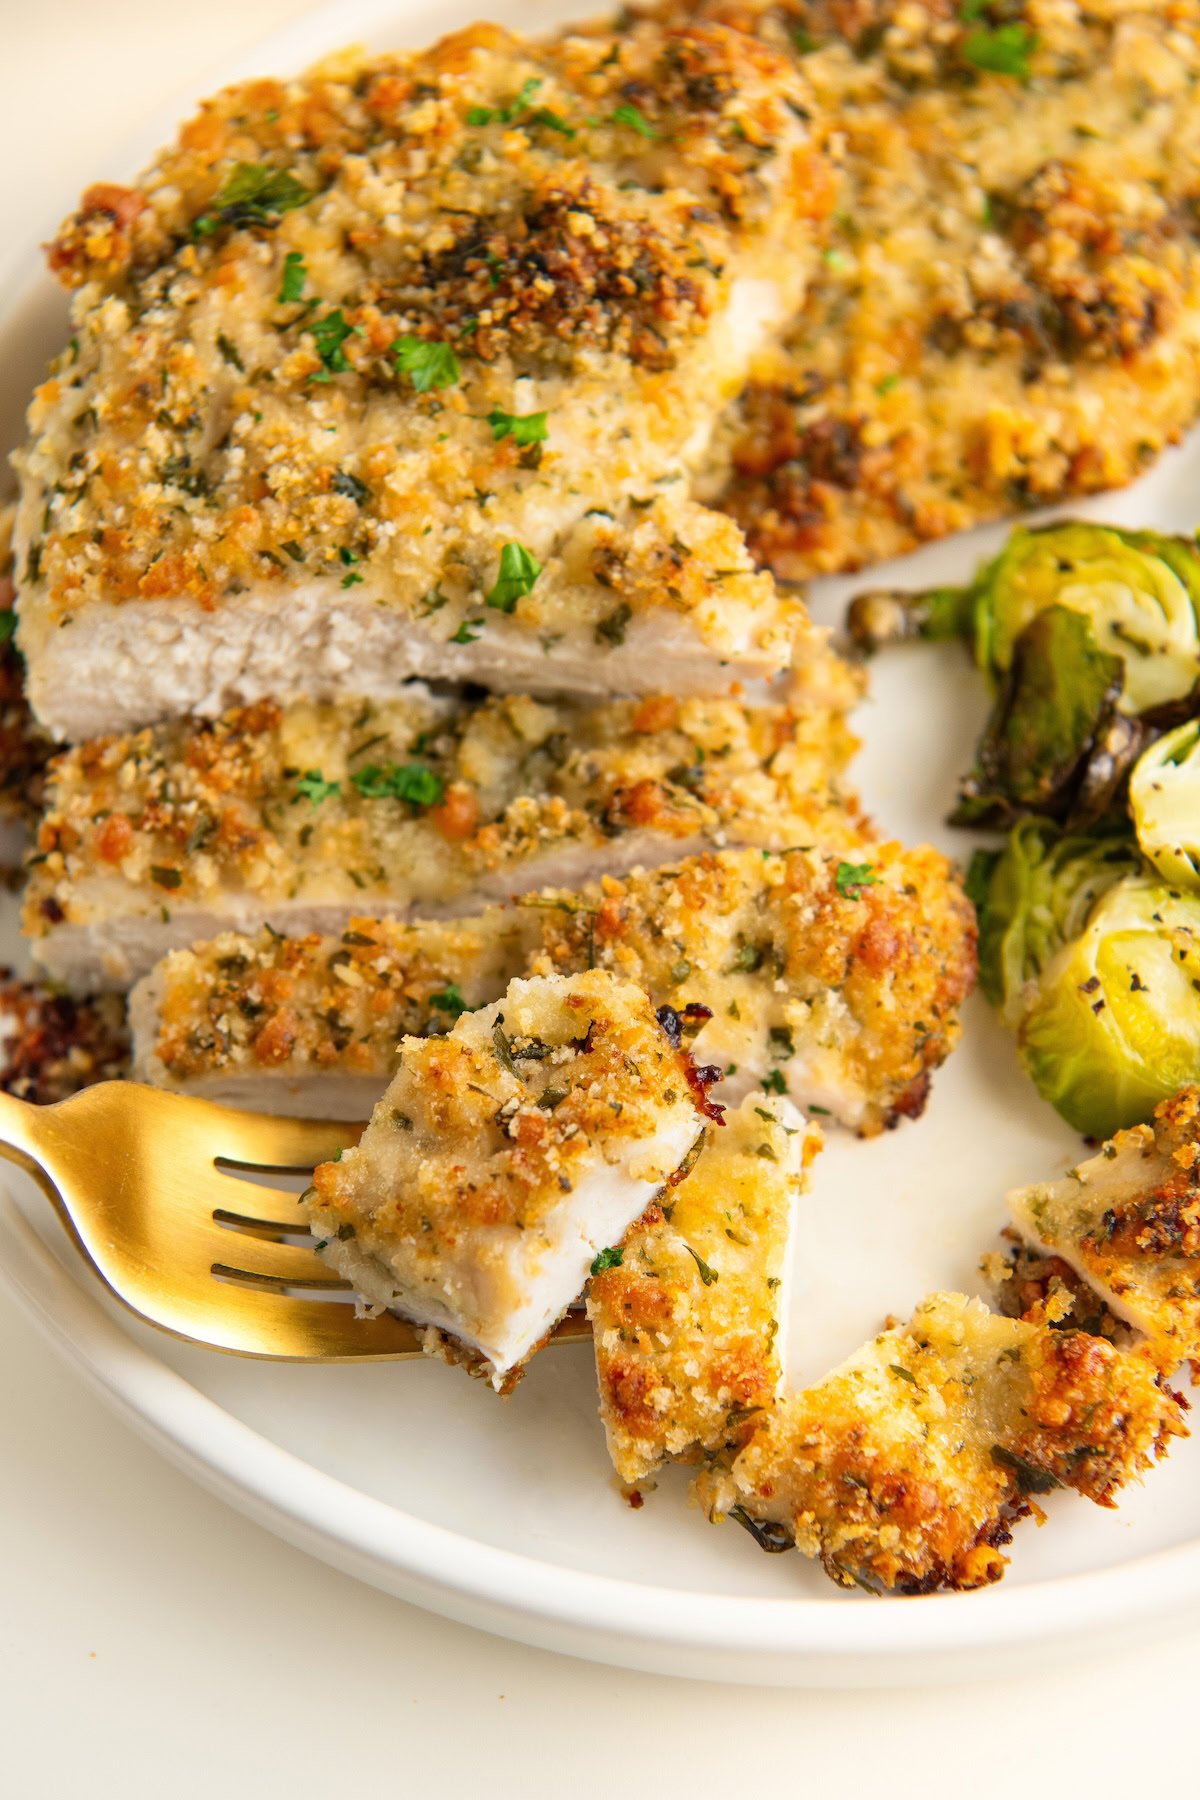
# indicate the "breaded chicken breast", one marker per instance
pixel 836 983
pixel 504 1157
pixel 396 369
pixel 302 815
pixel 905 1468
pixel 1008 312
pixel 1127 1221
pixel 689 1312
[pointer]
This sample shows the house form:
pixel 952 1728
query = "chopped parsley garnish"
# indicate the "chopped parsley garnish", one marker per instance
pixel 522 428
pixel 313 787
pixel 8 624
pixel 230 351
pixel 519 569
pixel 449 1000
pixel 707 1275
pixel 611 628
pixel 252 195
pixel 168 878
pixel 427 363
pixel 1029 1477
pixel 507 115
pixel 502 1047
pixel 293 549
pixel 611 1258
pixel 1002 50
pixel 295 274
pixel 852 878
pixel 351 580
pixel 903 1373
pixel 467 632
pixel 412 782
pixel 329 334
pixel 774 1083
pixel 626 114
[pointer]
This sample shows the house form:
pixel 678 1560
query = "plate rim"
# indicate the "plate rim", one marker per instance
pixel 782 1641
pixel 790 1640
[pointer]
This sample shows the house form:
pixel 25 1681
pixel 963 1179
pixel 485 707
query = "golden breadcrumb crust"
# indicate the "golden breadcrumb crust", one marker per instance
pixel 904 1469
pixel 1008 311
pixel 686 1325
pixel 485 230
pixel 1128 1222
pixel 790 968
pixel 417 802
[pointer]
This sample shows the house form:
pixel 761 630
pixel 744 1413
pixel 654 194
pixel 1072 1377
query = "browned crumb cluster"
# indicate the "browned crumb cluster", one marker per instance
pixel 52 1045
pixel 1008 312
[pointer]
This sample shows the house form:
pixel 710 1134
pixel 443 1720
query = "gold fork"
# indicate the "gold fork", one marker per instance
pixel 147 1185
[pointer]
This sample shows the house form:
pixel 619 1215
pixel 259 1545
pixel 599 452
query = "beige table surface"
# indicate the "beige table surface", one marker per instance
pixel 154 1643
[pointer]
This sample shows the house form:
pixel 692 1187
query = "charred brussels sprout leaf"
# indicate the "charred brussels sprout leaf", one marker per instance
pixel 1054 708
pixel 1164 798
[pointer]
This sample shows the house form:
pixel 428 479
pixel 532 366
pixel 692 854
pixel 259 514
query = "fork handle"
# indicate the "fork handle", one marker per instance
pixel 22 1135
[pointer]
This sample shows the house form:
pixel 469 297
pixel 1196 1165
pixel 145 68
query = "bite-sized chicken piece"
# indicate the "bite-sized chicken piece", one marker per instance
pixel 397 369
pixel 1008 308
pixel 1128 1222
pixel 24 747
pixel 835 983
pixel 689 1313
pixel 505 1157
pixel 51 1045
pixel 301 816
pixel 905 1468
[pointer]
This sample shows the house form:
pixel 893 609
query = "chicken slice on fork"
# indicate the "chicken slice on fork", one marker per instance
pixel 504 1157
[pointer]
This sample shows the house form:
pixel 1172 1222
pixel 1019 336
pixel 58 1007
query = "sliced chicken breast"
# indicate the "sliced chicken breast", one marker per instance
pixel 1127 1221
pixel 905 1468
pixel 689 1312
pixel 504 1157
pixel 393 370
pixel 301 816
pixel 802 974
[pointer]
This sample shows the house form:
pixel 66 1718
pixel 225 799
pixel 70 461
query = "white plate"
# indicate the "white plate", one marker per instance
pixel 504 1515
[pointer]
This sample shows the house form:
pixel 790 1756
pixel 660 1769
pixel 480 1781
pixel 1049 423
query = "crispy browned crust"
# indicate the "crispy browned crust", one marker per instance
pixel 1009 311
pixel 51 1045
pixel 905 1469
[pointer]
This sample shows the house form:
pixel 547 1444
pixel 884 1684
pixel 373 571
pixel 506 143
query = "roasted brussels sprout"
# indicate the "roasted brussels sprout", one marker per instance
pixel 1096 966
pixel 1164 798
pixel 1139 590
pixel 1033 897
pixel 1115 1027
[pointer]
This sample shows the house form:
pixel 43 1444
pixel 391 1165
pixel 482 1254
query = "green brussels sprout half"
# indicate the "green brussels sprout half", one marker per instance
pixel 1052 715
pixel 1140 591
pixel 1114 1025
pixel 1164 798
pixel 1035 896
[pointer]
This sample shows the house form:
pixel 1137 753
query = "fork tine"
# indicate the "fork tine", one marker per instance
pixel 263 1212
pixel 263 1259
pixel 259 1141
